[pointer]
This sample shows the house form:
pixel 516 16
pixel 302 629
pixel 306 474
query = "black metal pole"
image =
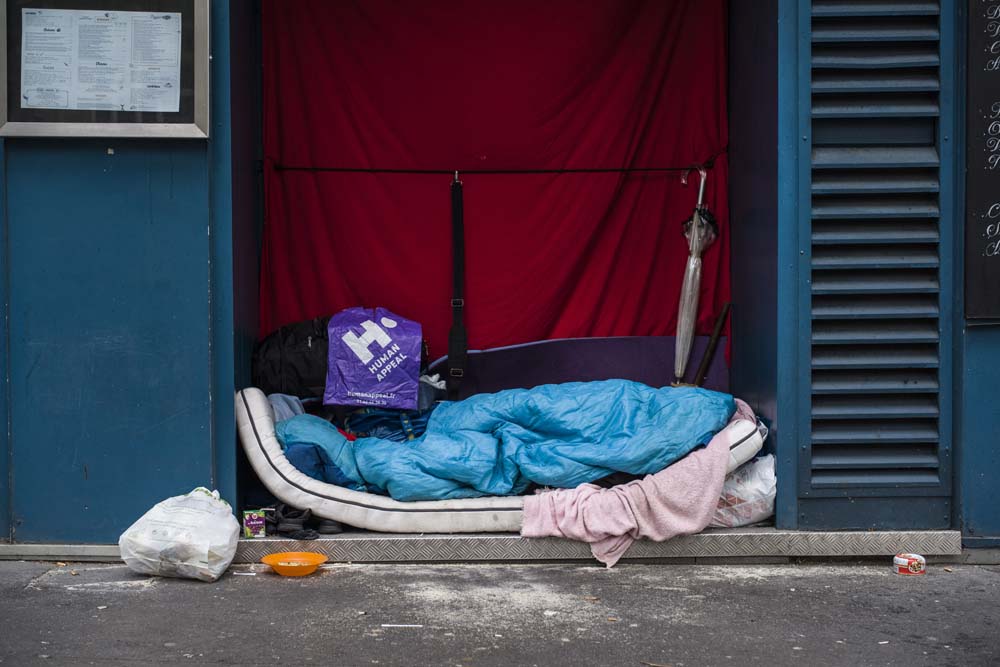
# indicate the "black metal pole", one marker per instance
pixel 713 343
pixel 457 339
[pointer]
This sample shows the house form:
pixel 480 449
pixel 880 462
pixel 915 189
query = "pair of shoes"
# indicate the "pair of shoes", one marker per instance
pixel 290 522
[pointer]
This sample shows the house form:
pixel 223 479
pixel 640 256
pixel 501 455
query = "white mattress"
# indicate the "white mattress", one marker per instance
pixel 255 422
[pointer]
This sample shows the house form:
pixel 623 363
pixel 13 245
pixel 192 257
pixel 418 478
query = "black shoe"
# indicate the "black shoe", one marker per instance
pixel 327 526
pixel 290 519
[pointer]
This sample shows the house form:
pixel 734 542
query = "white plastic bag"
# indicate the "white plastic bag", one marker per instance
pixel 192 536
pixel 747 494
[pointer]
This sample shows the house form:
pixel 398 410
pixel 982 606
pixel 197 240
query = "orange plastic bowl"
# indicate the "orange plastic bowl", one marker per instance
pixel 294 563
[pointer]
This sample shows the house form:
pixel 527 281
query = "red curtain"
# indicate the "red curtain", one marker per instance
pixel 492 85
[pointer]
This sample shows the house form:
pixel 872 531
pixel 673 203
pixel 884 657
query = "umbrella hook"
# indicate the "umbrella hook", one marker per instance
pixel 703 176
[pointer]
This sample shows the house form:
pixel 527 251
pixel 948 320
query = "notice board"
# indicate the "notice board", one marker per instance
pixel 122 68
pixel 982 213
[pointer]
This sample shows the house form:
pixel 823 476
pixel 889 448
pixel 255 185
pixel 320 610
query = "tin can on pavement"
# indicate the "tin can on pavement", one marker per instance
pixel 909 564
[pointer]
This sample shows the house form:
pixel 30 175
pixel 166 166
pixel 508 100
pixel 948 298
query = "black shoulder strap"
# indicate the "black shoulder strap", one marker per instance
pixel 457 340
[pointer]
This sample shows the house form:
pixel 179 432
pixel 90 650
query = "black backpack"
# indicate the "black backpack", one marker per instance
pixel 293 360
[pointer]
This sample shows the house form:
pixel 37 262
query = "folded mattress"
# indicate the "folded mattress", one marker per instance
pixel 255 424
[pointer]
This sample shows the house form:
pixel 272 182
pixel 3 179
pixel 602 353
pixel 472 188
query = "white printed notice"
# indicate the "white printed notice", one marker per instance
pixel 100 61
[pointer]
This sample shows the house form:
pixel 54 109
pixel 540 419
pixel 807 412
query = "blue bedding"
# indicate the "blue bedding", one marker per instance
pixel 497 444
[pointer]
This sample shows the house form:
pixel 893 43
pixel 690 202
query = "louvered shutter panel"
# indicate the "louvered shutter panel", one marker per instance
pixel 878 447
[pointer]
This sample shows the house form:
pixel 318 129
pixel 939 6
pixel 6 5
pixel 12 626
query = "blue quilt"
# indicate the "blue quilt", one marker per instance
pixel 497 444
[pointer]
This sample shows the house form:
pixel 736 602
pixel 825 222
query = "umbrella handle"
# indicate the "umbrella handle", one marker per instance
pixel 703 176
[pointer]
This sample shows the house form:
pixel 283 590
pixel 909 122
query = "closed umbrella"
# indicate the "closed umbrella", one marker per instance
pixel 700 231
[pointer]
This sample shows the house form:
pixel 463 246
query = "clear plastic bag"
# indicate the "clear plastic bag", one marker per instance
pixel 747 494
pixel 192 536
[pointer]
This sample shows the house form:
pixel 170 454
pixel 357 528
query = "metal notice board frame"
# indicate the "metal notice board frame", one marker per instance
pixel 191 121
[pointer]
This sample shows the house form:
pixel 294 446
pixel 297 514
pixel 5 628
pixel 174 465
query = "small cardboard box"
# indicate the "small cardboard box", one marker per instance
pixel 254 523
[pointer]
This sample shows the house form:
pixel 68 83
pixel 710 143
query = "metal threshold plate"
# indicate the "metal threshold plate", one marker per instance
pixel 721 544
pixel 735 543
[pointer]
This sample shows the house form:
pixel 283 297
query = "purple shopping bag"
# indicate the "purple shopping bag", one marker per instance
pixel 374 359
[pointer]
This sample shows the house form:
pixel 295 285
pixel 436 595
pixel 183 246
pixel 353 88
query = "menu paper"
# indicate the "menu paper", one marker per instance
pixel 982 161
pixel 92 60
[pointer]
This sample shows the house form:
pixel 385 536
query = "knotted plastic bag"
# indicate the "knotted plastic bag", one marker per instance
pixel 747 494
pixel 192 536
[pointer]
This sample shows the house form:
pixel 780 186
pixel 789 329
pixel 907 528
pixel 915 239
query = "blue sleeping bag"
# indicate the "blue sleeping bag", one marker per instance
pixel 497 444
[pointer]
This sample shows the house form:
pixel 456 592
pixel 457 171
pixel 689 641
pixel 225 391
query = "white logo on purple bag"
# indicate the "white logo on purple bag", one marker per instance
pixel 373 334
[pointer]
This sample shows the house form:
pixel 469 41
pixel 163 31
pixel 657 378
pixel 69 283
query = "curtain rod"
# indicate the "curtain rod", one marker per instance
pixel 360 170
pixel 707 164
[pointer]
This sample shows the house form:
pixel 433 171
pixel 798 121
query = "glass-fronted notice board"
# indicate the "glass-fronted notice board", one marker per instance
pixel 112 68
pixel 982 150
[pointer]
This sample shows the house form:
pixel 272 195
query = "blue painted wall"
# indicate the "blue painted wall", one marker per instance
pixel 753 206
pixel 794 364
pixel 6 473
pixel 765 105
pixel 979 460
pixel 109 332
pixel 220 214
pixel 118 276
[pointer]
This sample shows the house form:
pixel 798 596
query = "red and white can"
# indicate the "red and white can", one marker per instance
pixel 909 564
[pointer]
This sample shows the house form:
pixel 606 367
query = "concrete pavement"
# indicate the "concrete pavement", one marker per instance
pixel 503 615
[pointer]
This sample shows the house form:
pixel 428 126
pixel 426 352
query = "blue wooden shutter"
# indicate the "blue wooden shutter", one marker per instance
pixel 877 450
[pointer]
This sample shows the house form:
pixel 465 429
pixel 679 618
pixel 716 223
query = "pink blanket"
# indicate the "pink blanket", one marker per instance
pixel 679 500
